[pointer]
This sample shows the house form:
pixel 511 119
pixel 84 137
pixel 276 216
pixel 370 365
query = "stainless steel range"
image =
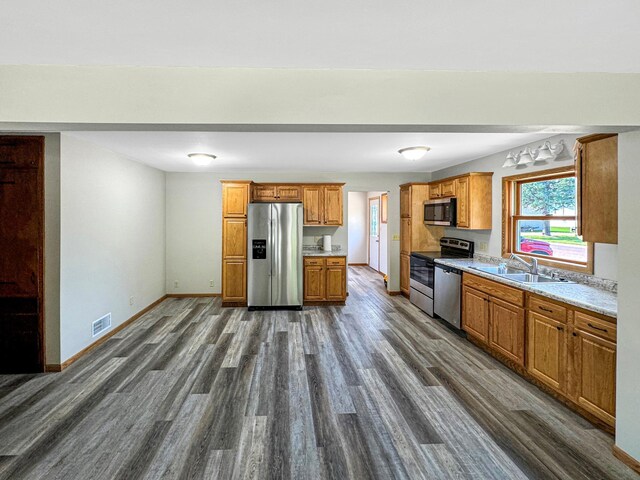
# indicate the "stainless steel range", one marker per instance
pixel 424 278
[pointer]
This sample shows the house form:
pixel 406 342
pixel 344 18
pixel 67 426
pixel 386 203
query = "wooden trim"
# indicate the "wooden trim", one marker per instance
pixel 394 293
pixel 248 182
pixel 302 184
pixel 195 295
pixel 384 208
pixel 625 458
pixel 234 304
pixel 358 264
pixel 54 367
pixel 510 201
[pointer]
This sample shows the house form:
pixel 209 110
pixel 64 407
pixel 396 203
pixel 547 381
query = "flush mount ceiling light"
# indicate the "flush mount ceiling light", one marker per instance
pixel 201 159
pixel 414 153
pixel 528 156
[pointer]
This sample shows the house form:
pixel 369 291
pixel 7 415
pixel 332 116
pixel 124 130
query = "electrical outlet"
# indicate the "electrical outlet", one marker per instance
pixel 131 301
pixel 211 284
pixel 175 284
pixel 483 246
pixel 396 237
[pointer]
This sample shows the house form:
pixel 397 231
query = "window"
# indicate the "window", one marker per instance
pixel 540 219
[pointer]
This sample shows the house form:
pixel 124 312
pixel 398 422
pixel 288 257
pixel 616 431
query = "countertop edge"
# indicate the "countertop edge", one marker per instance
pixel 320 253
pixel 532 289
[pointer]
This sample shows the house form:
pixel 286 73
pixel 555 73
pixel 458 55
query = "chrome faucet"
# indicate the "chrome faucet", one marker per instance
pixel 533 266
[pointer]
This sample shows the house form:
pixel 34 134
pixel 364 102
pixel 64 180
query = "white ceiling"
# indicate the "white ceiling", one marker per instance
pixel 489 35
pixel 286 151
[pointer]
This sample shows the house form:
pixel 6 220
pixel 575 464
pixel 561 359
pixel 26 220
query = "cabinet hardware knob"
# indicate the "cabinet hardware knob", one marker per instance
pixel 574 334
pixel 559 328
pixel 544 309
pixel 597 328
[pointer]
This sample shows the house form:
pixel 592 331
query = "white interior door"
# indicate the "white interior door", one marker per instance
pixel 374 233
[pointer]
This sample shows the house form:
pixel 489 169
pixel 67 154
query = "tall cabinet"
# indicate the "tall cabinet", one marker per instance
pixel 21 254
pixel 235 198
pixel 414 234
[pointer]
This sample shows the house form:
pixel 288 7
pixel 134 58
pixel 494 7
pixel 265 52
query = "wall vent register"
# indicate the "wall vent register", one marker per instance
pixel 100 325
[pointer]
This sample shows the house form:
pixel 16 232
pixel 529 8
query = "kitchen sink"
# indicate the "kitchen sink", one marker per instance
pixel 530 278
pixel 498 270
pixel 518 275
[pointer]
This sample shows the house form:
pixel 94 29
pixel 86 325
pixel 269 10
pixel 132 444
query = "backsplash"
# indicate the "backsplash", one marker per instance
pixel 334 248
pixel 582 278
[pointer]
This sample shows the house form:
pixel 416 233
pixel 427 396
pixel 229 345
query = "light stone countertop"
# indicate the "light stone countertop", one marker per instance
pixel 322 253
pixel 583 296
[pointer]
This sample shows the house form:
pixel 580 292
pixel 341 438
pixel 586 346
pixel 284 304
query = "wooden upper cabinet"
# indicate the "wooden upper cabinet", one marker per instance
pixel 547 350
pixel 234 236
pixel 507 330
pixel 235 198
pixel 595 369
pixel 21 151
pixel 405 202
pixel 597 176
pixel 462 202
pixel 475 314
pixel 312 200
pixel 289 193
pixel 435 191
pixel 448 188
pixel 332 205
pixel 263 193
pixel 276 193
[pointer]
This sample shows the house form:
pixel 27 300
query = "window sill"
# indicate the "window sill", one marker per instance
pixel 560 264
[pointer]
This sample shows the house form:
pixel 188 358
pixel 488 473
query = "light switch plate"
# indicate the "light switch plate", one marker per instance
pixel 483 246
pixel 396 237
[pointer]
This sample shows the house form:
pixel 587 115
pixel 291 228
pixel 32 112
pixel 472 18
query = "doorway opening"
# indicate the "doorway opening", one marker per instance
pixel 367 230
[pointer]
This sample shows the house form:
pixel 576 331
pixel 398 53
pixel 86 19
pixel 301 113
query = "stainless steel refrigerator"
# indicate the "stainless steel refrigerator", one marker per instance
pixel 274 271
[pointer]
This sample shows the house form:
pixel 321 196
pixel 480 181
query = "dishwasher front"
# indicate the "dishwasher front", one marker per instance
pixel 446 294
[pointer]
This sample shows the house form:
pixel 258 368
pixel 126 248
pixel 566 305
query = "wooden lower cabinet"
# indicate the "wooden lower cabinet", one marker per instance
pixel 405 272
pixel 507 330
pixel 547 350
pixel 234 280
pixel 594 367
pixel 325 279
pixel 475 314
pixel 570 351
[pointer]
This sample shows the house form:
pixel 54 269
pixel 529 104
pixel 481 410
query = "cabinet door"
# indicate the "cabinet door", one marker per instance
pixel 462 197
pixel 405 236
pixel 336 277
pixel 235 197
pixel 314 282
pixel 234 235
pixel 448 188
pixel 506 329
pixel 263 193
pixel 405 266
pixel 435 191
pixel 547 350
pixel 20 241
pixel 405 202
pixel 595 368
pixel 234 281
pixel 312 204
pixel 475 314
pixel 333 205
pixel 289 193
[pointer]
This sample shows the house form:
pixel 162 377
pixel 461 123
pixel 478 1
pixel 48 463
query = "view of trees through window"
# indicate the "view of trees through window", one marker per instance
pixel 545 219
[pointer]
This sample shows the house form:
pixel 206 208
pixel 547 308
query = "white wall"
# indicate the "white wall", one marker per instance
pixel 605 256
pixel 194 221
pixel 357 227
pixel 628 383
pixel 112 239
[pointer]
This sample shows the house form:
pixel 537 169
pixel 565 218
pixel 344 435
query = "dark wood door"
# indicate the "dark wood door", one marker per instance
pixel 21 254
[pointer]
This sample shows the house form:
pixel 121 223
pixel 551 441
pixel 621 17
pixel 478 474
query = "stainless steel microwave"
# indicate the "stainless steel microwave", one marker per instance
pixel 440 212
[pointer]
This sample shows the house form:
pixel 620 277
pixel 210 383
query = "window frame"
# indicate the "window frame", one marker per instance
pixel 511 215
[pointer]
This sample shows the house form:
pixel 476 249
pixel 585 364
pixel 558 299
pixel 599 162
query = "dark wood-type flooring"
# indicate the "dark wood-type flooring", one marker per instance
pixel 375 389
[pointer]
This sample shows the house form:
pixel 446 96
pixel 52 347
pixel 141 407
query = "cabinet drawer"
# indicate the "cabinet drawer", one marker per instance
pixel 314 261
pixel 548 309
pixel 336 261
pixel 595 326
pixel 495 289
